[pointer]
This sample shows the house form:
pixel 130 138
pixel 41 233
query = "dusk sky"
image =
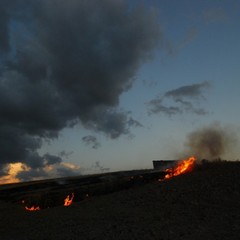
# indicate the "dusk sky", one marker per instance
pixel 87 85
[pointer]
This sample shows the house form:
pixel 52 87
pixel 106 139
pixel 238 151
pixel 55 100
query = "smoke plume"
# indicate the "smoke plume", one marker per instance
pixel 63 63
pixel 211 142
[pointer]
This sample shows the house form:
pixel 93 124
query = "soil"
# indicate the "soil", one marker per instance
pixel 203 204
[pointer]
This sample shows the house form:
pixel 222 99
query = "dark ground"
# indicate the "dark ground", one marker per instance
pixel 204 204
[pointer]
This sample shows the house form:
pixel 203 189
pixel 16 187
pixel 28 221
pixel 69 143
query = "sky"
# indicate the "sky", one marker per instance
pixel 96 86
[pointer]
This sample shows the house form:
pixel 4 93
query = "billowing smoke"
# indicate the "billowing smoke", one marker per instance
pixel 211 142
pixel 67 62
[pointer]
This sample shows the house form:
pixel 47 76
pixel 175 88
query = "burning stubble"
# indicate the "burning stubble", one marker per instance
pixel 211 142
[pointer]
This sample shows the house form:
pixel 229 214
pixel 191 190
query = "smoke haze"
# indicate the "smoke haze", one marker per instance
pixel 211 142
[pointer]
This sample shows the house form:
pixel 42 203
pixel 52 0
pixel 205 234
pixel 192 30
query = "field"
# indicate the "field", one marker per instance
pixel 203 204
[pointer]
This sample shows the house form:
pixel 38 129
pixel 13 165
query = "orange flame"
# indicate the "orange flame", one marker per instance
pixel 182 166
pixel 68 200
pixel 32 208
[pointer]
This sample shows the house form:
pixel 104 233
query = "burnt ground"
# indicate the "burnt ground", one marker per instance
pixel 203 204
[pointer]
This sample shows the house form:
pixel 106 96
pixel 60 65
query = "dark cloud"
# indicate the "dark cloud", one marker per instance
pixel 187 106
pixel 211 142
pixel 53 167
pixel 111 122
pixel 37 173
pixel 157 106
pixel 51 159
pixel 134 123
pixel 191 91
pixel 4 168
pixel 182 99
pixel 4 33
pixel 64 154
pixel 92 141
pixel 62 171
pixel 17 145
pixel 66 62
pixel 97 167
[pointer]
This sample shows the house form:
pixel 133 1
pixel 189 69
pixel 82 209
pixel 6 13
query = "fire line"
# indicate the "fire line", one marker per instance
pixel 32 208
pixel 182 166
pixel 67 202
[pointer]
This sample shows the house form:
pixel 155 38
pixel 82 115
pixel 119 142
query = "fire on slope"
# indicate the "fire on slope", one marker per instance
pixel 67 202
pixel 182 166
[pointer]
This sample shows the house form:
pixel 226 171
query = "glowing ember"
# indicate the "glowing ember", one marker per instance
pixel 182 166
pixel 68 200
pixel 32 208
